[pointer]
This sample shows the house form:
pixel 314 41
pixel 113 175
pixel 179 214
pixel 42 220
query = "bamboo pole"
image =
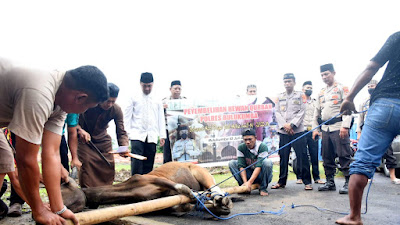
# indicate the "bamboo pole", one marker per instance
pixel 115 212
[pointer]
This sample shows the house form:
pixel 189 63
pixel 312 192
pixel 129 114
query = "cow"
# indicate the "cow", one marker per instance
pixel 169 179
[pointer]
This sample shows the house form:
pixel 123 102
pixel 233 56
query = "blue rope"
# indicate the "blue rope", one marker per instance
pixel 261 159
pixel 200 205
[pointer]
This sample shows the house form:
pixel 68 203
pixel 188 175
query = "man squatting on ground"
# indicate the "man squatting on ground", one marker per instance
pixel 248 153
pixel 33 105
pixel 381 125
pixel 335 133
pixel 289 111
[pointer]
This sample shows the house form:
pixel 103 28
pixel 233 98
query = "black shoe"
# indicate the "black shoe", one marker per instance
pixel 3 209
pixel 327 187
pixel 345 188
pixel 15 210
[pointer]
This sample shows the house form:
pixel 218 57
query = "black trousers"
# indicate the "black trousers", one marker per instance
pixel 312 147
pixel 64 153
pixel 301 154
pixel 167 155
pixel 14 197
pixel 390 158
pixel 333 146
pixel 145 149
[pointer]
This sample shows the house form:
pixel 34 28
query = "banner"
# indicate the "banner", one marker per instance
pixel 210 131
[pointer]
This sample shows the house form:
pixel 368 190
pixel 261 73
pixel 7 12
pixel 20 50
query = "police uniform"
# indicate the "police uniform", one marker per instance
pixel 311 145
pixel 290 108
pixel 328 106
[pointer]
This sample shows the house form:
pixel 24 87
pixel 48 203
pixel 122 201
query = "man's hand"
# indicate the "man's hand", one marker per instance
pixel 347 107
pixel 47 217
pixel 288 129
pixel 315 133
pixel 162 141
pixel 64 174
pixel 248 185
pixel 344 132
pixel 70 215
pixel 84 136
pixel 76 163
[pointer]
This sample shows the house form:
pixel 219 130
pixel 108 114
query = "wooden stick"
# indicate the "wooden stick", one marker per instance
pixel 115 212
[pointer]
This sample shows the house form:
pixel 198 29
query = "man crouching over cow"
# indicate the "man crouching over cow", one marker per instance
pixel 33 105
pixel 169 179
pixel 248 153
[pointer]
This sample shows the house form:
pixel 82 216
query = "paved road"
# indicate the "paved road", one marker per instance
pixel 383 207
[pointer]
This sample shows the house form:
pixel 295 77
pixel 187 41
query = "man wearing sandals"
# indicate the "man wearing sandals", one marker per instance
pixel 290 111
pixel 249 152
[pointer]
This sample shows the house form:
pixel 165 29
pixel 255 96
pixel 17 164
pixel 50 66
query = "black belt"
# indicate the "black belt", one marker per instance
pixel 332 121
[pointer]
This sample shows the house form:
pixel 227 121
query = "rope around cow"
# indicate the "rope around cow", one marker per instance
pixel 202 197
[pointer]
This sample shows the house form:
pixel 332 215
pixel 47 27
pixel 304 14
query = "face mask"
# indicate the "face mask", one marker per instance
pixel 308 92
pixel 184 136
pixel 370 90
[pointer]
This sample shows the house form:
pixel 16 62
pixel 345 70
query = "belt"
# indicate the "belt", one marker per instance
pixel 333 121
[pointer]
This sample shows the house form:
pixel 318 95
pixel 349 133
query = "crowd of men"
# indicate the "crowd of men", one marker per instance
pixel 35 106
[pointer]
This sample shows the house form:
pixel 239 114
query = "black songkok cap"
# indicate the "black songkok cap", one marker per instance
pixel 327 67
pixel 146 78
pixel 175 82
pixel 307 83
pixel 249 131
pixel 289 76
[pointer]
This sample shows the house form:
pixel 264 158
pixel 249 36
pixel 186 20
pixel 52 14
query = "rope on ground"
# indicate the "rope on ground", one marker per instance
pixel 202 198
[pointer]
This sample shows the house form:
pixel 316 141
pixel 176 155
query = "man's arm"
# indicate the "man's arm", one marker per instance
pixel 122 135
pixel 28 169
pixel 161 125
pixel 279 118
pixel 359 83
pixel 73 147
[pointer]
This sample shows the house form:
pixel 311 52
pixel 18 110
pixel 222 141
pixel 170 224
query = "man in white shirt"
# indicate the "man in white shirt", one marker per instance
pixel 144 121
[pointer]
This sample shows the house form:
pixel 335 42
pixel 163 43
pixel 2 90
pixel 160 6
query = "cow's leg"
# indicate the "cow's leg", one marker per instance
pixel 220 201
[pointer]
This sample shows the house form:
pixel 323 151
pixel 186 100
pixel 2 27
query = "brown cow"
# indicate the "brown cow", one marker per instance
pixel 169 179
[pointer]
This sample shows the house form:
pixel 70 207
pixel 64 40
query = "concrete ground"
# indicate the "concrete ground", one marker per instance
pixel 383 208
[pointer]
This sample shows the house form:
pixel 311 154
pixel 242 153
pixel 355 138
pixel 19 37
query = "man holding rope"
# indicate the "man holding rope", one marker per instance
pixel 381 125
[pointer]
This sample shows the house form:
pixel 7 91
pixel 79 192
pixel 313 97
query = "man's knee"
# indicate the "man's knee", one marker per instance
pixel 233 164
pixel 267 164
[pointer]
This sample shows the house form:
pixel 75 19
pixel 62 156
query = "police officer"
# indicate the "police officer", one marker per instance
pixel 289 112
pixel 311 145
pixel 389 156
pixel 335 133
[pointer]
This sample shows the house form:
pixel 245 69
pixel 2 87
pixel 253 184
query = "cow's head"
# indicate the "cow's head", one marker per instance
pixel 73 196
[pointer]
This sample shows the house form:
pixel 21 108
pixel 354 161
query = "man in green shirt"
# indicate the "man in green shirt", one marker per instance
pixel 249 152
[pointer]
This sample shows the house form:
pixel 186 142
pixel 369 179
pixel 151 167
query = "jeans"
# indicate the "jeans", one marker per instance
pixel 381 126
pixel 264 178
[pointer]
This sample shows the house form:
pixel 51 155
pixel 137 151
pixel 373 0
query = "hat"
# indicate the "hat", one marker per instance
pixel 175 82
pixel 289 76
pixel 307 83
pixel 146 78
pixel 373 82
pixel 327 67
pixel 249 131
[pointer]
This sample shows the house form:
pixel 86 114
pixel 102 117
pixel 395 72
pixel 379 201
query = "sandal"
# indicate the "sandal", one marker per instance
pixel 396 181
pixel 299 181
pixel 308 187
pixel 277 186
pixel 319 181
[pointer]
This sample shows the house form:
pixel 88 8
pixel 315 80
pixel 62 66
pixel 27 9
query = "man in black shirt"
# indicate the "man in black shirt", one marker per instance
pixel 380 127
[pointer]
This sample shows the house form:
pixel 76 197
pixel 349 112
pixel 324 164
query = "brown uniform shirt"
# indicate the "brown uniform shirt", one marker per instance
pixel 328 106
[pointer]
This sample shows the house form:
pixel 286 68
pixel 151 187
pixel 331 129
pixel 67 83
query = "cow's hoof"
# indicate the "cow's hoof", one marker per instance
pixel 222 202
pixel 184 190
